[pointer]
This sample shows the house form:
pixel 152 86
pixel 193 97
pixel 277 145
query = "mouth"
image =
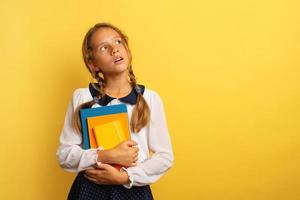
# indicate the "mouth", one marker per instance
pixel 118 60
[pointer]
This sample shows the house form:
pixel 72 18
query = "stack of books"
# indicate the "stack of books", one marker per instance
pixel 105 126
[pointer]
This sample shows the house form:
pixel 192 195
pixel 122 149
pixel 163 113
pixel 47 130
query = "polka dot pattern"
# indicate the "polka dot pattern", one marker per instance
pixel 83 189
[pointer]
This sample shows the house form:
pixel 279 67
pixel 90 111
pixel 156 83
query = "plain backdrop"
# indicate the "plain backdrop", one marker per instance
pixel 227 71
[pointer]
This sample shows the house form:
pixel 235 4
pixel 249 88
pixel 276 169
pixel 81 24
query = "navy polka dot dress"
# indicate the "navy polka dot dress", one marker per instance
pixel 84 189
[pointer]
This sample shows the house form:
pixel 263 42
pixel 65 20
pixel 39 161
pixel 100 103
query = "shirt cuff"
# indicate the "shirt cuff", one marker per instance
pixel 96 157
pixel 130 184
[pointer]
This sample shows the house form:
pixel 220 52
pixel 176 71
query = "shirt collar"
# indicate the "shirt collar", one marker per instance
pixel 131 98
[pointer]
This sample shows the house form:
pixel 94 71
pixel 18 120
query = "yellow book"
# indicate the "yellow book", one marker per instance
pixel 100 120
pixel 109 135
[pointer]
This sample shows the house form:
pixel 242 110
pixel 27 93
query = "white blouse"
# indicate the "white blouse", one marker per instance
pixel 153 137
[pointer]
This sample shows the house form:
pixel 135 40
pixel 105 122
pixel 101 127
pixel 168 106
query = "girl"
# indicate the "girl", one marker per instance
pixel 146 157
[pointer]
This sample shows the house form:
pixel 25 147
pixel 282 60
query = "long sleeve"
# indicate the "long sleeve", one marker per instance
pixel 150 170
pixel 71 156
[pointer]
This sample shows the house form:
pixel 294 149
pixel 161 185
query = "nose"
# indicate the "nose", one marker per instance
pixel 115 50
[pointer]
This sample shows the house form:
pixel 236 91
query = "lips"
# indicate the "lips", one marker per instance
pixel 118 59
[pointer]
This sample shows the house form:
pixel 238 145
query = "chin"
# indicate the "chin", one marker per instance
pixel 122 66
pixel 120 70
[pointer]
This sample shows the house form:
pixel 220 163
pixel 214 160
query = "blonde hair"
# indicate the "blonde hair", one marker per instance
pixel 141 112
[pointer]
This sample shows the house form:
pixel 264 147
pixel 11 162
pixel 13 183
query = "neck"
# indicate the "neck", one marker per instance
pixel 117 85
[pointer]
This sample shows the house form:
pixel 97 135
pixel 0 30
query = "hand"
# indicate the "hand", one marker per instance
pixel 106 175
pixel 124 154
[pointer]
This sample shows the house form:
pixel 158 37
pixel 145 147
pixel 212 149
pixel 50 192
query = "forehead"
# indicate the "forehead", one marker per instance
pixel 103 35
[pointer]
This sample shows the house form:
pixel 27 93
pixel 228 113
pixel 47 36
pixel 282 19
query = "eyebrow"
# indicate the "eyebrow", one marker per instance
pixel 106 42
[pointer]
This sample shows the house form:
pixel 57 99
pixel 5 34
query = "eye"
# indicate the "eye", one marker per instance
pixel 103 48
pixel 118 41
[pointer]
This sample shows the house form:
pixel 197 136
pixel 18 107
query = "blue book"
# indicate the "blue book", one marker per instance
pixel 98 111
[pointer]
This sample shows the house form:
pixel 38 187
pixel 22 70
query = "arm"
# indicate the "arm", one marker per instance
pixel 124 154
pixel 105 174
pixel 71 156
pixel 153 168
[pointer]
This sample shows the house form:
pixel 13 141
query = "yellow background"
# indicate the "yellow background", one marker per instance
pixel 227 71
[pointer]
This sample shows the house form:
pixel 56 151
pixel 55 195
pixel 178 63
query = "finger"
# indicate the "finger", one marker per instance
pixel 131 143
pixel 91 179
pixel 97 175
pixel 136 149
pixel 91 176
pixel 135 156
pixel 103 166
pixel 92 172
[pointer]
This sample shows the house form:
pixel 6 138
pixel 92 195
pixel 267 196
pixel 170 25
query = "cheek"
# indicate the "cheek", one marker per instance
pixel 127 53
pixel 102 58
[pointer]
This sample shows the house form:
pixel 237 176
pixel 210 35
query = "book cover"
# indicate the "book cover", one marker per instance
pixel 105 121
pixel 109 135
pixel 97 111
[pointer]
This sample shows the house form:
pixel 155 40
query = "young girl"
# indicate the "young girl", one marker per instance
pixel 146 157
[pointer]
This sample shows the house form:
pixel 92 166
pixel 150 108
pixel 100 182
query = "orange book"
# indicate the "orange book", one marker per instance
pixel 101 120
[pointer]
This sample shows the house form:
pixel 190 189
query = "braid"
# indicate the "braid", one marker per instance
pixel 101 84
pixel 100 88
pixel 132 77
pixel 141 112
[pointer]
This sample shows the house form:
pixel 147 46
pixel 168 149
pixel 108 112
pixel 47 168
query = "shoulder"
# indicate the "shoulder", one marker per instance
pixel 81 95
pixel 152 97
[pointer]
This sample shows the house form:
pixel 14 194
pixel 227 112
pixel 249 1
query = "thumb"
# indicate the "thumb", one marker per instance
pixel 131 143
